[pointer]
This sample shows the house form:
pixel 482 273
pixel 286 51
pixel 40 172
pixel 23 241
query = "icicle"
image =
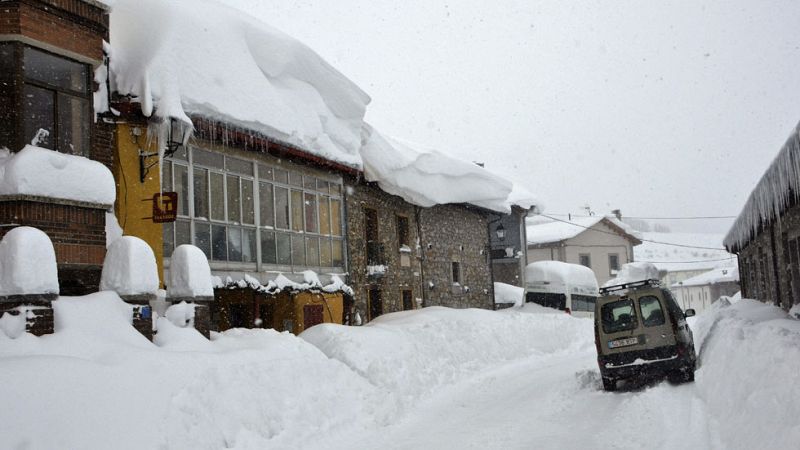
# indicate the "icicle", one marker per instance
pixel 771 196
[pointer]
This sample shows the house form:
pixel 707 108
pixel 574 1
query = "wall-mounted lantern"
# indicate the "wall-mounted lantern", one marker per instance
pixel 501 232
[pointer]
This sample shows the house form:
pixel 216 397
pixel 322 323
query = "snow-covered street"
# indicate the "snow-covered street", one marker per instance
pixel 434 378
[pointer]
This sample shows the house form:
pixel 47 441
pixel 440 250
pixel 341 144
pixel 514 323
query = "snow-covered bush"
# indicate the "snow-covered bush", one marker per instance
pixel 130 268
pixel 189 273
pixel 27 263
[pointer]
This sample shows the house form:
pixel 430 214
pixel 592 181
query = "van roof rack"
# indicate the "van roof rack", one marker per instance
pixel 632 284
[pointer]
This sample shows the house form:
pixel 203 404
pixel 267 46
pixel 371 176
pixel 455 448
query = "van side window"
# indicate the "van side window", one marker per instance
pixel 618 316
pixel 652 313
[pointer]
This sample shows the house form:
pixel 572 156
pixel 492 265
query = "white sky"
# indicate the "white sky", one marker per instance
pixel 668 109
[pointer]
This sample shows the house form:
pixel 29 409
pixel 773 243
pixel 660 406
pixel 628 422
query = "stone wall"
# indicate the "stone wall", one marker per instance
pixel 397 277
pixel 769 265
pixel 456 233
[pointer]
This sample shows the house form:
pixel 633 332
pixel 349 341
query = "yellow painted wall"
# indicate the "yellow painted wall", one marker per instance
pixel 332 313
pixel 134 206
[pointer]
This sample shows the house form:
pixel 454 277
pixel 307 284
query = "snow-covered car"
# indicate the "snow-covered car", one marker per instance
pixel 639 331
pixel 569 287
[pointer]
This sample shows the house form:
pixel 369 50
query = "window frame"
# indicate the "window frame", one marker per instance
pixel 588 258
pixel 16 128
pixel 329 245
pixel 612 269
pixel 456 273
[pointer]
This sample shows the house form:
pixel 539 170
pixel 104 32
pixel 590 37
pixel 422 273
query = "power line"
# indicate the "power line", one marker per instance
pixel 656 218
pixel 685 262
pixel 641 239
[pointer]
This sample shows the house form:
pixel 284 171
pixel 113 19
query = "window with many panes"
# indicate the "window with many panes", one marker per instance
pixel 242 211
pixel 40 90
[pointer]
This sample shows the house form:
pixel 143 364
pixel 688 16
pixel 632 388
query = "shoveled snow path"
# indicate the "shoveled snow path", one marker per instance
pixel 551 402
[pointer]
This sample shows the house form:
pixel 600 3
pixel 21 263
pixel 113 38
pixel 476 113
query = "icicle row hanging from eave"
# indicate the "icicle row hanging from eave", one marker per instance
pixel 776 190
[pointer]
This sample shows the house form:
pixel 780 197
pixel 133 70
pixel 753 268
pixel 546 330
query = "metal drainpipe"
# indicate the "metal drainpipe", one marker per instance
pixel 422 257
pixel 489 255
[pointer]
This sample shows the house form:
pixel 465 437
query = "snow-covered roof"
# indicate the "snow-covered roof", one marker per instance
pixel 634 271
pixel 41 172
pixel 427 177
pixel 713 276
pixel 281 283
pixel 779 186
pixel 198 57
pixel 674 258
pixel 557 276
pixel 547 231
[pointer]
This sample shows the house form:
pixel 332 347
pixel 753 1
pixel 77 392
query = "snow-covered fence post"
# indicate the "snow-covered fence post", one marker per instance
pixel 131 271
pixel 190 282
pixel 28 282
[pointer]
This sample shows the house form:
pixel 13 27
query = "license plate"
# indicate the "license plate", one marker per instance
pixel 623 342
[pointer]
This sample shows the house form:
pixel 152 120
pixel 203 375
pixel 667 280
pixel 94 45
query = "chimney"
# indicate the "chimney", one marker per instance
pixel 617 213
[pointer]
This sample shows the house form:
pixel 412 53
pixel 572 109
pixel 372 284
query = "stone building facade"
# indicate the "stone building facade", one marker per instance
pixel 385 261
pixel 49 50
pixel 456 266
pixel 403 256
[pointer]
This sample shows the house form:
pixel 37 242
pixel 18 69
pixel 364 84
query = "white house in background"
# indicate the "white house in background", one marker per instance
pixel 601 243
pixel 693 255
pixel 700 291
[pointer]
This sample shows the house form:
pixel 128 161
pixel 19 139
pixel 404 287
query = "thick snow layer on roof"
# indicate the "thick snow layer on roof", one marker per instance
pixel 429 177
pixel 198 57
pixel 129 268
pixel 634 271
pixel 189 273
pixel 542 230
pixel 507 293
pixel 713 276
pixel 773 193
pixel 47 173
pixel 673 258
pixel 27 263
pixel 560 277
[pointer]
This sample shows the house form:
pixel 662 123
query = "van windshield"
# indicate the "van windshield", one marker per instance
pixel 618 316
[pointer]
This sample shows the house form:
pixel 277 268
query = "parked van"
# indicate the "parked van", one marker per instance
pixel 640 330
pixel 569 287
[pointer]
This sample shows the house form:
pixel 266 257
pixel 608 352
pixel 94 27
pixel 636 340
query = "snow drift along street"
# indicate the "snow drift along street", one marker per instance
pixel 519 378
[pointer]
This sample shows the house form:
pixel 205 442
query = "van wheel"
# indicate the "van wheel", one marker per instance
pixel 609 384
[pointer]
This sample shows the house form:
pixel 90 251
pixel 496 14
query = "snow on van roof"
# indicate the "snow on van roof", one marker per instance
pixel 198 57
pixel 427 177
pixel 557 276
pixel 714 276
pixel 543 230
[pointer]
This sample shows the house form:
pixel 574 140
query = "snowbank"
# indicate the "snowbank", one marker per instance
pixel 414 353
pixel 40 172
pixel 198 57
pixel 429 177
pixel 189 273
pixel 508 294
pixel 749 360
pixel 130 268
pixel 27 263
pixel 635 271
pixel 561 277
pixel 97 384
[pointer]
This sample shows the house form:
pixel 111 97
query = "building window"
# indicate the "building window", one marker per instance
pixel 613 264
pixel 585 260
pixel 238 211
pixel 402 231
pixel 456 270
pixel 54 96
pixel 407 302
